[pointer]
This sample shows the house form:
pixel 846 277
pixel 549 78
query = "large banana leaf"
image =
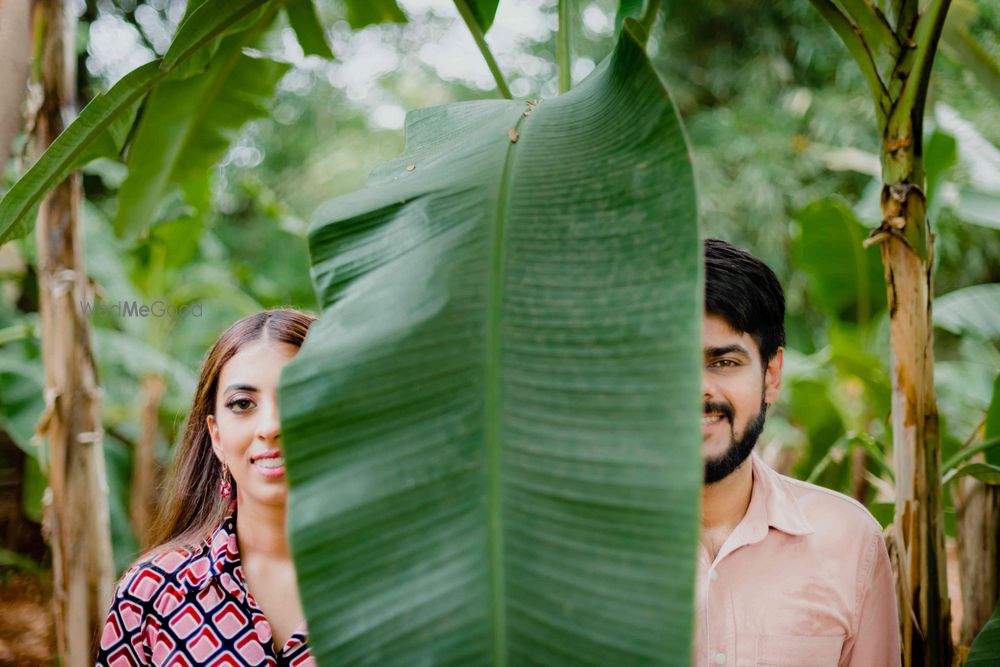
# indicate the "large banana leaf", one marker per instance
pixel 492 434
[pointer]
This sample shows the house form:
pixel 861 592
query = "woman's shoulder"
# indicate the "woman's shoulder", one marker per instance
pixel 146 592
pixel 169 570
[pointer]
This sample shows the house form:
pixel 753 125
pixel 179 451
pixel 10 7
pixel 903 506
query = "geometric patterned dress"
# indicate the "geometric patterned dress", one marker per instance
pixel 188 607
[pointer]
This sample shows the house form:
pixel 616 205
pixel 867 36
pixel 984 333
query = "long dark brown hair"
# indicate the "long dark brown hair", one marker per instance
pixel 192 505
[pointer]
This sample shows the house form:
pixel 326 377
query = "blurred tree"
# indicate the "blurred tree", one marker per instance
pixel 15 55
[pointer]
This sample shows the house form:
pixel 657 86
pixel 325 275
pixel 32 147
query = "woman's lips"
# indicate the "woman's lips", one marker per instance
pixel 270 465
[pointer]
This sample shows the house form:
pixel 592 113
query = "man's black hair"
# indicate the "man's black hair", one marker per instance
pixel 744 292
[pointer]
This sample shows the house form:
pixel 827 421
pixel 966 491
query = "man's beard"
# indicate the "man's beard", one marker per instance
pixel 738 451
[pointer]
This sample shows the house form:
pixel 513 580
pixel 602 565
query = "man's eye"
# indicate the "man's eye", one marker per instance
pixel 241 403
pixel 724 363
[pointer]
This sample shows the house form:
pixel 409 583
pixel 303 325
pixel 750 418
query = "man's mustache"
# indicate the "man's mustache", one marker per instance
pixel 723 409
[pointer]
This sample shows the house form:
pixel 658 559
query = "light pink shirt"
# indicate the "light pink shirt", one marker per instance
pixel 803 581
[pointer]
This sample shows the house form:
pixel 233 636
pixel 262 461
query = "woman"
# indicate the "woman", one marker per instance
pixel 221 589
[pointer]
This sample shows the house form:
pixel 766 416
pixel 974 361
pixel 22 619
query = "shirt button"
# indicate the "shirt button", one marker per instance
pixel 713 575
pixel 720 658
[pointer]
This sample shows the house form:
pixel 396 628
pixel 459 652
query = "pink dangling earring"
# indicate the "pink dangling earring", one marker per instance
pixel 225 488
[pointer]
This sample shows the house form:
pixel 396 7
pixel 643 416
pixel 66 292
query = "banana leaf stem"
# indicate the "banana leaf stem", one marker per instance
pixel 484 48
pixel 649 16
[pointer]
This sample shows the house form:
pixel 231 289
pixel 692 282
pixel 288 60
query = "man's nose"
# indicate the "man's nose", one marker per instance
pixel 708 388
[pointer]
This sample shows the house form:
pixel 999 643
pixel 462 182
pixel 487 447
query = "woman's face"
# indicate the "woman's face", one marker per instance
pixel 245 428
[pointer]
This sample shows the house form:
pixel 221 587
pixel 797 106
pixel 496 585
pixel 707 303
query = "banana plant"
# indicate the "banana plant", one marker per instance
pixel 894 44
pixel 174 117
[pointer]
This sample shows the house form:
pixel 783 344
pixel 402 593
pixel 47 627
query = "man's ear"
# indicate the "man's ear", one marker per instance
pixel 213 433
pixel 772 377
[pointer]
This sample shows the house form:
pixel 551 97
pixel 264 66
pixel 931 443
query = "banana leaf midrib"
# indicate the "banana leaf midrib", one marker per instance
pixel 494 399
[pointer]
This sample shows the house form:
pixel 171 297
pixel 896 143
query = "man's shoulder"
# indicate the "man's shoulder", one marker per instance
pixel 830 511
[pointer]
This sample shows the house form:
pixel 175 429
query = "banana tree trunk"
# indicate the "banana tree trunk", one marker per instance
pixel 76 519
pixel 907 248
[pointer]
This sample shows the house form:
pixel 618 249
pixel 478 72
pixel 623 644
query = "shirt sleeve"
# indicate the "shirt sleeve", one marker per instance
pixel 876 638
pixel 123 641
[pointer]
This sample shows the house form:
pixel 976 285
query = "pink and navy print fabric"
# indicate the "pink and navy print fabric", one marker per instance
pixel 188 607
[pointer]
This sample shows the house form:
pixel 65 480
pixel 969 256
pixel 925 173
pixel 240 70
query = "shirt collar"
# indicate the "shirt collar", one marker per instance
pixel 223 552
pixel 218 559
pixel 774 503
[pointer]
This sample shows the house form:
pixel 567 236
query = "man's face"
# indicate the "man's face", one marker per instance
pixel 736 388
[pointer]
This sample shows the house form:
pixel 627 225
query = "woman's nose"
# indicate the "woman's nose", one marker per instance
pixel 269 426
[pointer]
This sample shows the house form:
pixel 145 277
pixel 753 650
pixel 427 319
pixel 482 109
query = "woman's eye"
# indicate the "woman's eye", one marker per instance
pixel 240 403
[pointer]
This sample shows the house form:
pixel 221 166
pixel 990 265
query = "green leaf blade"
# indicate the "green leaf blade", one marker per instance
pixel 985 649
pixel 992 425
pixel 984 472
pixel 211 20
pixel 492 433
pixel 484 12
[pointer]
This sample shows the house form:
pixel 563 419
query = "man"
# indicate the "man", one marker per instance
pixel 789 573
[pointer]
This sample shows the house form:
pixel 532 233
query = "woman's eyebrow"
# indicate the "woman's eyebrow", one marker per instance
pixel 726 349
pixel 239 387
